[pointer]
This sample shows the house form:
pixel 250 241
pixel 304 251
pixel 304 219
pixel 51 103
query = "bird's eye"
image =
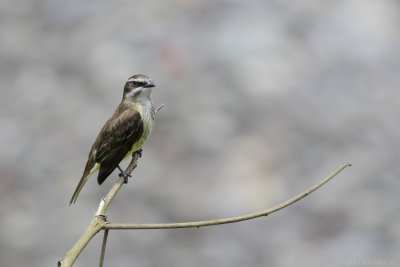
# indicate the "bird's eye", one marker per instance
pixel 136 83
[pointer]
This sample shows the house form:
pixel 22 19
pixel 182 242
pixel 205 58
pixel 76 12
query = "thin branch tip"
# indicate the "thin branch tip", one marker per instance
pixel 159 107
pixel 199 224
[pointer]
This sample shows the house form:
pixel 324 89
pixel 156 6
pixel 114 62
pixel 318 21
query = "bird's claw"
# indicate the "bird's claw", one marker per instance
pixel 139 152
pixel 125 176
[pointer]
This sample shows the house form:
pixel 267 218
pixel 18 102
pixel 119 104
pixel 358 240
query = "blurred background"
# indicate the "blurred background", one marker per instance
pixel 263 99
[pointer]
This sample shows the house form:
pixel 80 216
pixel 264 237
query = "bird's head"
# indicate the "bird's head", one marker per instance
pixel 138 86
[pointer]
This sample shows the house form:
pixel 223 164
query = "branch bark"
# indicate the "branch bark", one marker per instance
pixel 99 219
pixel 227 220
pixel 103 248
pixel 100 222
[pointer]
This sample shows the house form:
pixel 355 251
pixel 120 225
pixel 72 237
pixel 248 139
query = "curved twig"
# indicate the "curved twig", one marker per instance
pixel 227 220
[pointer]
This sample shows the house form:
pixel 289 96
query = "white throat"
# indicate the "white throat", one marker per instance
pixel 140 94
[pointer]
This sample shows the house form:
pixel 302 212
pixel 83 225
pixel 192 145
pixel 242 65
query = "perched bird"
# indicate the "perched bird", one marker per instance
pixel 123 134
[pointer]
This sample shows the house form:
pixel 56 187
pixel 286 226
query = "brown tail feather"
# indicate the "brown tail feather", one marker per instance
pixel 91 167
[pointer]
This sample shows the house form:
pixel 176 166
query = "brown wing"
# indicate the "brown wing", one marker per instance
pixel 115 139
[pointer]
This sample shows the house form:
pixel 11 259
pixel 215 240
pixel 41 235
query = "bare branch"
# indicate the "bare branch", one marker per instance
pixel 103 248
pixel 99 219
pixel 114 190
pixel 100 222
pixel 227 220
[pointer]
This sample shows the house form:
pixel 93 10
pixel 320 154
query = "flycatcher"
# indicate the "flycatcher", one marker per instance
pixel 123 134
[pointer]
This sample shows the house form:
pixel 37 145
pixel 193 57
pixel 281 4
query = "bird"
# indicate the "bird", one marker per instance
pixel 123 134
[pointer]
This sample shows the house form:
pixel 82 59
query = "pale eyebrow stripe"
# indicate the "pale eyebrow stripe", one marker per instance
pixel 136 80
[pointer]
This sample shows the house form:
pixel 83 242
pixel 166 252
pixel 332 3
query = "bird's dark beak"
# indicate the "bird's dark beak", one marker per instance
pixel 150 84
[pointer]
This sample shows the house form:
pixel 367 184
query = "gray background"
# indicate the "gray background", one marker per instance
pixel 263 98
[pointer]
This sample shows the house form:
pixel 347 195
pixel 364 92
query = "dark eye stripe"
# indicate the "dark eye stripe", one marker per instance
pixel 136 83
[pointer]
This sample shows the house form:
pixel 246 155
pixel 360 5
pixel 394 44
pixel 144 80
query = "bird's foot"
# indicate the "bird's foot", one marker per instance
pixel 139 152
pixel 123 174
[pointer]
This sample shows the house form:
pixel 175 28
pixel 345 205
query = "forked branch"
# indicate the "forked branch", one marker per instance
pixel 100 221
